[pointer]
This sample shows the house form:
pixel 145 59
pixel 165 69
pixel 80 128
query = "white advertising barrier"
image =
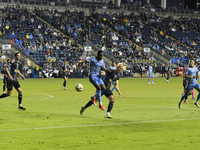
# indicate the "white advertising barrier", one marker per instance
pixel 146 50
pixel 6 46
pixel 88 48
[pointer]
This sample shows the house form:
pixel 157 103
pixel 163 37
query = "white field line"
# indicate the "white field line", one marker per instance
pixel 96 125
pixel 49 96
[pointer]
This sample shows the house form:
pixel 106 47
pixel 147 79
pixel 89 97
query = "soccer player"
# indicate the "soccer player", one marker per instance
pixel 66 74
pixel 113 67
pixel 12 79
pixel 191 73
pixel 108 78
pixel 185 82
pixel 5 78
pixel 96 64
pixel 151 74
pixel 169 72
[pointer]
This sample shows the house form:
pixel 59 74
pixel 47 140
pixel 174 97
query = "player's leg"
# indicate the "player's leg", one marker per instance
pixel 149 79
pixel 184 96
pixel 19 90
pixel 192 93
pixel 110 105
pixel 152 80
pixel 86 106
pixel 9 87
pixel 168 76
pixel 197 87
pixel 65 82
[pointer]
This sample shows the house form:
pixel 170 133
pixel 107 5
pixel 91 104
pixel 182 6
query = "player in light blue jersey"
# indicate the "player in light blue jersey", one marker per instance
pixel 191 74
pixel 151 74
pixel 96 65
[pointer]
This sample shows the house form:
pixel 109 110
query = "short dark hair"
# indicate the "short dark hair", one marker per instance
pixel 99 52
pixel 17 53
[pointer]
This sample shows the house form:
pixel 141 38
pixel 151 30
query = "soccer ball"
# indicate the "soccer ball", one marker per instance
pixel 79 87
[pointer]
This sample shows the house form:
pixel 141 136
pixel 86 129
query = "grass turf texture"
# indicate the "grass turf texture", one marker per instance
pixel 146 117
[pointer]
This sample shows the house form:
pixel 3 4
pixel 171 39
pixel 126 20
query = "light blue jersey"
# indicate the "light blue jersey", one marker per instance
pixel 191 72
pixel 95 65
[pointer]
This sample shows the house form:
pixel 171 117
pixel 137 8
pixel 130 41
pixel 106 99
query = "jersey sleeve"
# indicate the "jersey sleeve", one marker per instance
pixel 89 60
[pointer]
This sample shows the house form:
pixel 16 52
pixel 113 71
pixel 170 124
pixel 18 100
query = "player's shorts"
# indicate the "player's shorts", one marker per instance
pixel 14 83
pixel 96 80
pixel 67 76
pixel 169 73
pixel 107 92
pixel 189 88
pixel 150 75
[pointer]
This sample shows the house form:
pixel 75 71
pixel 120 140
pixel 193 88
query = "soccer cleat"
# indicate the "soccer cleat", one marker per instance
pixel 193 98
pixel 196 104
pixel 94 100
pixel 82 110
pixel 109 116
pixel 148 83
pixel 167 81
pixel 101 107
pixel 179 105
pixel 185 101
pixel 64 88
pixel 21 107
pixel 152 83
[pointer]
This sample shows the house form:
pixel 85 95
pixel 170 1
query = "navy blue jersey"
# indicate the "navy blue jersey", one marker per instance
pixel 169 68
pixel 65 70
pixel 14 67
pixel 110 77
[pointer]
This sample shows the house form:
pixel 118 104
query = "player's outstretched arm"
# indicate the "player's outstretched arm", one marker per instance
pixel 117 88
pixel 21 75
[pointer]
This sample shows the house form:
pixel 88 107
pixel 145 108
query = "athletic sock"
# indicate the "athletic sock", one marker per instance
pixel 88 104
pixel 4 88
pixel 110 106
pixel 20 99
pixel 192 93
pixel 167 78
pixel 198 96
pixel 148 81
pixel 64 83
pixel 152 81
pixel 98 96
pixel 3 95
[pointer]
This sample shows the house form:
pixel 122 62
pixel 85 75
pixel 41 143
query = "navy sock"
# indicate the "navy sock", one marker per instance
pixel 3 95
pixel 88 104
pixel 20 98
pixel 4 88
pixel 110 106
pixel 64 83
pixel 167 78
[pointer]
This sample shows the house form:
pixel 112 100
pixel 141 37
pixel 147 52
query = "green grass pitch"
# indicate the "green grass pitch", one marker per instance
pixel 146 117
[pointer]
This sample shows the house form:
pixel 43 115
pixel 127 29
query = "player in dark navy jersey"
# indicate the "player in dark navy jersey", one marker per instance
pixel 66 74
pixel 5 78
pixel 108 79
pixel 12 79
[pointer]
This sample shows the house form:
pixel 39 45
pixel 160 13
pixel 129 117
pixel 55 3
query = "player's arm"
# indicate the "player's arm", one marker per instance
pixel 106 70
pixel 117 88
pixel 21 75
pixel 189 77
pixel 7 71
pixel 82 61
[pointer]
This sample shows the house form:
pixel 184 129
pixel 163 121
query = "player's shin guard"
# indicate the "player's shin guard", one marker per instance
pixel 98 96
pixel 198 97
pixel 110 106
pixel 4 88
pixel 64 83
pixel 88 104
pixel 20 99
pixel 4 95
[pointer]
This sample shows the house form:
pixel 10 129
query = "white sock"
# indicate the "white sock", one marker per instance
pixel 108 113
pixel 20 104
pixel 100 103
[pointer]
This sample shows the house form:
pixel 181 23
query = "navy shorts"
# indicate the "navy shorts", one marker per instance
pixel 5 80
pixel 107 92
pixel 14 83
pixel 67 76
